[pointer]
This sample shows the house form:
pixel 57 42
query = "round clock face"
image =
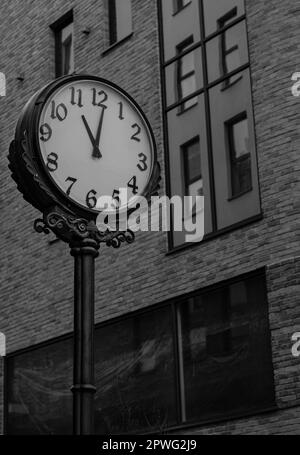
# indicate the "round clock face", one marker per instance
pixel 94 141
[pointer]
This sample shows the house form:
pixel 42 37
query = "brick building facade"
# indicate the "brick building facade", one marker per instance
pixel 156 274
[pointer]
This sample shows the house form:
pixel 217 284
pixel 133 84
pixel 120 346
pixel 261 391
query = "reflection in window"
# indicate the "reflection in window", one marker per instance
pixel 227 52
pixel 226 359
pixel 186 75
pixel 240 159
pixel 39 395
pixel 191 66
pixel 229 49
pixel 154 370
pixel 215 9
pixel 192 171
pixel 187 80
pixel 135 375
pixel 179 4
pixel 120 20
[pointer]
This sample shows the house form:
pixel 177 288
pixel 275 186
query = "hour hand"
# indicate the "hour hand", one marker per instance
pixel 96 152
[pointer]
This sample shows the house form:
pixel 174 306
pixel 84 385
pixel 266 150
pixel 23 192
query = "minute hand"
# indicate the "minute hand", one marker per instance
pixel 96 151
pixel 98 135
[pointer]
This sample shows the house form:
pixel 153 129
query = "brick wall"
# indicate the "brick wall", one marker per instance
pixel 36 278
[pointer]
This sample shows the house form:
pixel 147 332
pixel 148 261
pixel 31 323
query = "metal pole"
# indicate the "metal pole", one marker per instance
pixel 83 388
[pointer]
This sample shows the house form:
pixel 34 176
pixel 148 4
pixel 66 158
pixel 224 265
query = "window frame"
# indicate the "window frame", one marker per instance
pixel 174 306
pixel 57 28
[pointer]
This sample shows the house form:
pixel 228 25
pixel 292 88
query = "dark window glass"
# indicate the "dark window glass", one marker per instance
pixel 226 351
pixel 135 374
pixel 120 20
pixel 192 170
pixel 39 395
pixel 219 366
pixel 64 45
pixel 240 158
pixel 186 75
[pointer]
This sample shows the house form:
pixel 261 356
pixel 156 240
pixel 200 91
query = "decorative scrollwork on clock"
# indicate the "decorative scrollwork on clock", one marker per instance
pixel 71 229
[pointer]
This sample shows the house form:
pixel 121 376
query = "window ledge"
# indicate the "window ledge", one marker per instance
pixel 116 44
pixel 236 196
pixel 180 9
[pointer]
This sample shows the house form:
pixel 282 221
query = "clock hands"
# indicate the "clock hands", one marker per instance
pixel 95 142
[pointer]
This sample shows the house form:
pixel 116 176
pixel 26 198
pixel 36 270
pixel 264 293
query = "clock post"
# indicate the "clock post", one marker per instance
pixel 83 387
pixel 56 157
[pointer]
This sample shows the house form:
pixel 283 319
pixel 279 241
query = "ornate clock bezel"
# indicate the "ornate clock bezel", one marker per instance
pixel 26 154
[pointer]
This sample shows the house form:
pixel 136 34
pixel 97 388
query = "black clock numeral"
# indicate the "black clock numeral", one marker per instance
pixel 142 166
pixel 132 184
pixel 76 97
pixel 52 164
pixel 60 111
pixel 138 131
pixel 102 101
pixel 45 132
pixel 72 180
pixel 121 111
pixel 115 196
pixel 91 199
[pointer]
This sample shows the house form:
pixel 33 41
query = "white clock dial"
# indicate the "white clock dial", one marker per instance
pixel 94 141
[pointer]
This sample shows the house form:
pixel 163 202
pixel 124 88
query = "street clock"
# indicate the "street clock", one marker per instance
pixel 79 138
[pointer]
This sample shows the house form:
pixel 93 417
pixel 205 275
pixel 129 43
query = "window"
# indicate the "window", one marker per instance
pixel 120 20
pixel 207 45
pixel 186 80
pixel 64 45
pixel 203 357
pixel 192 170
pixel 240 160
pixel 222 332
pixel 135 374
